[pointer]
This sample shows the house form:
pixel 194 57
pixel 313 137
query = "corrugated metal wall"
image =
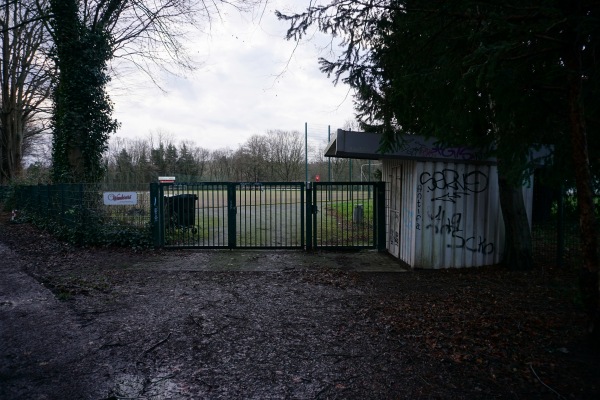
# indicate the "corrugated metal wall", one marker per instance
pixel 462 222
pixel 400 208
pixel 445 215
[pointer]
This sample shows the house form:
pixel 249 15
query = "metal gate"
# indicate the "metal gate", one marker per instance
pixel 346 215
pixel 228 215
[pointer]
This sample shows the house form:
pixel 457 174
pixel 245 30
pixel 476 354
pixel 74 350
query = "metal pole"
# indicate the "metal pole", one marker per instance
pixel 306 150
pixel 329 164
pixel 369 180
pixel 329 158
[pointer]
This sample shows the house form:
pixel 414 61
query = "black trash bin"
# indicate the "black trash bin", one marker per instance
pixel 181 210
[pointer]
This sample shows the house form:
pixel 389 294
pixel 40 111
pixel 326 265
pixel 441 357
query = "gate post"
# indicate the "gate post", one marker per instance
pixel 231 215
pixel 380 215
pixel 309 216
pixel 156 214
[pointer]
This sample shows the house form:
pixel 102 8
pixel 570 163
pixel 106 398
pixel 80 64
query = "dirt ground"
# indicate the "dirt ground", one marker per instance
pixel 118 324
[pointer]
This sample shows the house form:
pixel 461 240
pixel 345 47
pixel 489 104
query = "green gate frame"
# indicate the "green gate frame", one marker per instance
pixel 374 230
pixel 311 222
pixel 244 204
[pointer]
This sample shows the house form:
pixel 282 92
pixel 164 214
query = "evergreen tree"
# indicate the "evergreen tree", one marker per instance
pixel 501 75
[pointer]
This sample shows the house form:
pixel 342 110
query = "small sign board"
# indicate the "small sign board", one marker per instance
pixel 120 198
pixel 166 179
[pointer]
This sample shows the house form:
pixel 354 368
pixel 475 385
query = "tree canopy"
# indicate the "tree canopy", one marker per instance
pixel 502 75
pixel 86 36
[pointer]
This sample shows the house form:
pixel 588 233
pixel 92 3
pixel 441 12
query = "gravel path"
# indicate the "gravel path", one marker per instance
pixel 113 324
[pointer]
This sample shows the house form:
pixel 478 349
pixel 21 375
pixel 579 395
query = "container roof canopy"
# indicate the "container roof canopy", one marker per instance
pixel 363 145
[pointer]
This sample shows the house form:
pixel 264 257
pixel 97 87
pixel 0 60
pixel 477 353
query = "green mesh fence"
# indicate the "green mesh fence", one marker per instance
pixel 85 214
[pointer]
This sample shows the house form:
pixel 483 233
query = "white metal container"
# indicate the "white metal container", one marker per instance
pixel 442 203
pixel 444 214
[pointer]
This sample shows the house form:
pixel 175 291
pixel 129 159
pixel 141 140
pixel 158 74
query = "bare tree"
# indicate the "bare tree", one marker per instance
pixel 144 34
pixel 286 153
pixel 202 158
pixel 25 74
pixel 221 165
pixel 253 159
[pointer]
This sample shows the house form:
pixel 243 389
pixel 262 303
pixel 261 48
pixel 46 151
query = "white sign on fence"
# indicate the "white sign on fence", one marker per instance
pixel 120 198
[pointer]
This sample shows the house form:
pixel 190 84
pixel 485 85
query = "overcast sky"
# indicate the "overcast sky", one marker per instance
pixel 251 81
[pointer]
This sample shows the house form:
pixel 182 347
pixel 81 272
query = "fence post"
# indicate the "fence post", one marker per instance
pixel 156 215
pixel 309 216
pixel 380 215
pixel 231 215
pixel 302 216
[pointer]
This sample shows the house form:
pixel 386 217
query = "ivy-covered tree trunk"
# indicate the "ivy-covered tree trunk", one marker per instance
pixel 82 110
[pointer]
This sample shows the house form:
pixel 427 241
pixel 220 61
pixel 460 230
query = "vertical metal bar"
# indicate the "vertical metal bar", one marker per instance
pixel 322 215
pixel 232 211
pixel 292 213
pixel 315 212
pixel 211 216
pixel 306 151
pixel 282 228
pixel 329 158
pixel 222 218
pixel 154 214
pixel 373 216
pixel 380 216
pixel 222 222
pixel 309 216
pixel 302 214
pixel 257 235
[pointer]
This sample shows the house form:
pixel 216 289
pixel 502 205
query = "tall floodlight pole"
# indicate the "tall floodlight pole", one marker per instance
pixel 329 158
pixel 306 150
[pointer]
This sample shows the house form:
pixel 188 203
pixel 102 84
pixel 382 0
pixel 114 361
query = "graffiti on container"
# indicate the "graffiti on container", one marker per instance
pixel 475 245
pixel 452 226
pixel 416 149
pixel 453 184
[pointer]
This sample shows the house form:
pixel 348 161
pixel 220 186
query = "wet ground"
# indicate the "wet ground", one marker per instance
pixel 116 324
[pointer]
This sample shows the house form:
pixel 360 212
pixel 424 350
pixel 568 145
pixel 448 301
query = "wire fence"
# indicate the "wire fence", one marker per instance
pixel 120 214
pixel 555 228
pixel 87 213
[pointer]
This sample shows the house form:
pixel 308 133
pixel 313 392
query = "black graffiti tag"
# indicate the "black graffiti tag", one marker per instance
pixel 443 225
pixel 472 245
pixel 454 184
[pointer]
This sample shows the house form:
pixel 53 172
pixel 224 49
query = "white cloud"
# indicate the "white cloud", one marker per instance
pixel 251 81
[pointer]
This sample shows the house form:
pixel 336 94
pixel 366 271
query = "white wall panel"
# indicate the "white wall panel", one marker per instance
pixel 444 214
pixel 460 216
